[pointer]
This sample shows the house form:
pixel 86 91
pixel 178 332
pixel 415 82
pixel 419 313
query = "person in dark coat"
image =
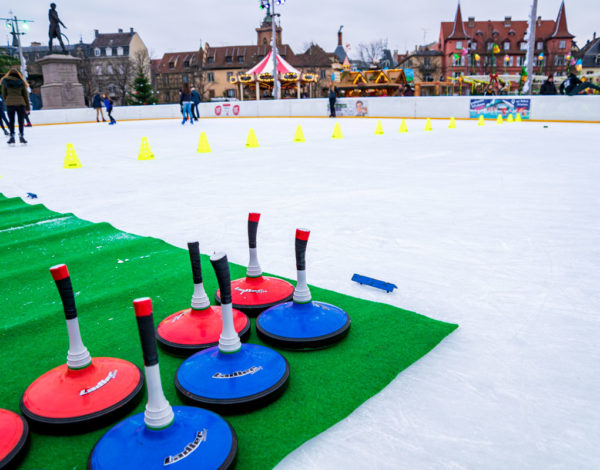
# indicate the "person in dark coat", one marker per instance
pixel 97 104
pixel 185 100
pixel 108 104
pixel 3 118
pixel 16 99
pixel 548 87
pixel 332 98
pixel 195 103
pixel 573 86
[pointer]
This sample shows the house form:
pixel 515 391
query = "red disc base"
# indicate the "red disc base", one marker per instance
pixel 13 437
pixel 252 295
pixel 188 331
pixel 63 396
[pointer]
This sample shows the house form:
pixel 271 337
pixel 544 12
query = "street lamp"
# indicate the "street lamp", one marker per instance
pixel 13 25
pixel 270 6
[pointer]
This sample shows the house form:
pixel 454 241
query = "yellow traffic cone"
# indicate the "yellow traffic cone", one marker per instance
pixel 403 129
pixel 71 158
pixel 452 124
pixel 145 152
pixel 481 120
pixel 428 126
pixel 510 118
pixel 251 141
pixel 500 120
pixel 337 132
pixel 299 136
pixel 203 145
pixel 379 129
pixel 518 119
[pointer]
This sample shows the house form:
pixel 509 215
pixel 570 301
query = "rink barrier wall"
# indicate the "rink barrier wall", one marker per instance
pixel 543 108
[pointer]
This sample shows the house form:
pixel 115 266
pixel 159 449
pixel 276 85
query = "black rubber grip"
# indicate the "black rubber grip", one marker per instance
pixel 194 249
pixel 146 330
pixel 65 290
pixel 252 229
pixel 301 254
pixel 221 267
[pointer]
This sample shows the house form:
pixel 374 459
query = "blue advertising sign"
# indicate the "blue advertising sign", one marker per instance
pixel 490 108
pixel 409 74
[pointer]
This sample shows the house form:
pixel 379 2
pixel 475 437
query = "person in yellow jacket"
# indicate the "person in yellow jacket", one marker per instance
pixel 14 93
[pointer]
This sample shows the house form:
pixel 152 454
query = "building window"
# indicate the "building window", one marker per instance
pixel 97 52
pixel 184 78
pixel 109 69
pixel 171 65
pixel 186 64
pixel 119 51
pixel 521 61
pixel 427 61
pixel 456 61
pixel 409 63
pixel 211 60
pixel 98 70
pixel 121 69
pixel 240 59
pixel 167 96
pixel 323 74
pixel 598 59
pixel 562 44
pixel 507 45
pixel 229 59
pixel 539 46
pixel 490 46
pixel 112 89
pixel 108 51
pixel 523 46
pixel 230 93
pixel 458 45
pixel 474 45
pixel 229 75
pixel 166 81
pixel 210 76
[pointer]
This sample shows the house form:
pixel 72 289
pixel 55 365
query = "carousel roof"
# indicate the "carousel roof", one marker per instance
pixel 266 65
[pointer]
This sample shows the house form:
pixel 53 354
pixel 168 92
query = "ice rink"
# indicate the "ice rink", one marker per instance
pixel 495 228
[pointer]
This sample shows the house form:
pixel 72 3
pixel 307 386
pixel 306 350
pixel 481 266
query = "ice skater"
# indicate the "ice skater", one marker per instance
pixel 3 118
pixel 15 96
pixel 332 99
pixel 573 86
pixel 196 102
pixel 97 104
pixel 186 101
pixel 108 104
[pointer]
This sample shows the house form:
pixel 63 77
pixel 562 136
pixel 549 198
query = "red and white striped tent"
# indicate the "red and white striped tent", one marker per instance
pixel 266 66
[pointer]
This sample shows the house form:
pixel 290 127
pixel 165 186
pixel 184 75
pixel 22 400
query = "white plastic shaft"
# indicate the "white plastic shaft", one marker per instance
pixel 199 298
pixel 254 269
pixel 159 413
pixel 229 341
pixel 302 292
pixel 78 355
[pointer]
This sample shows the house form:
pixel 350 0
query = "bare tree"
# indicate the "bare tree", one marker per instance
pixel 371 53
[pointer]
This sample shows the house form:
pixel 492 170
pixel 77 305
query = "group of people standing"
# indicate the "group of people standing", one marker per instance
pixel 15 98
pixel 97 103
pixel 571 86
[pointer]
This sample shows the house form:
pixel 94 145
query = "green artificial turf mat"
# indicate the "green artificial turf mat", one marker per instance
pixel 110 268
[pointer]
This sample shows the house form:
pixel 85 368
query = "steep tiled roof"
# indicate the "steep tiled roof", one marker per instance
pixel 592 50
pixel 243 56
pixel 515 32
pixel 458 29
pixel 561 31
pixel 112 40
pixel 314 56
pixel 175 62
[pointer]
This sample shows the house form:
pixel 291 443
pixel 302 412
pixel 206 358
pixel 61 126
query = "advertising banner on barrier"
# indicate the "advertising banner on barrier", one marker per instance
pixel 351 107
pixel 226 109
pixel 490 108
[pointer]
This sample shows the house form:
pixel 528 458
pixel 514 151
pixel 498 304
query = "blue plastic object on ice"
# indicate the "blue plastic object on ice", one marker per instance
pixel 197 438
pixel 369 281
pixel 32 195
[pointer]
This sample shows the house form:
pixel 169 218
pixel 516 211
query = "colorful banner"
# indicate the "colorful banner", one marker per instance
pixel 351 108
pixel 409 74
pixel 490 108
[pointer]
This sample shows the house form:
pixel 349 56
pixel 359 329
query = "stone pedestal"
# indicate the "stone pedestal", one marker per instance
pixel 61 89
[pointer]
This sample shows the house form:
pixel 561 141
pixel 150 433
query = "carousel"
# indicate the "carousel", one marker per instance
pixel 259 79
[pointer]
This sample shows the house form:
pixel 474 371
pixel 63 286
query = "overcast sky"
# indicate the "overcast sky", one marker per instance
pixel 182 25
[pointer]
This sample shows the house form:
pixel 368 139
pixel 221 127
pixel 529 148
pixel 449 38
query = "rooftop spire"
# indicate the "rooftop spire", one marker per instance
pixel 458 30
pixel 561 30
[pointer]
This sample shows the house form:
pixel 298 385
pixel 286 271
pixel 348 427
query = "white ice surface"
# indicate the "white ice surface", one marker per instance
pixel 494 228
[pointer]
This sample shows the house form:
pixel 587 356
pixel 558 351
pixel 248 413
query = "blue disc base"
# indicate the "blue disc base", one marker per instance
pixel 233 383
pixel 197 438
pixel 303 326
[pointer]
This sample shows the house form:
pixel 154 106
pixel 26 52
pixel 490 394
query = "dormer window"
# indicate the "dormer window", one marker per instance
pixel 562 44
pixel 240 59
pixel 109 51
pixel 186 64
pixel 211 60
pixel 229 59
pixel 97 52
pixel 119 51
pixel 524 46
pixel 171 65
pixel 459 45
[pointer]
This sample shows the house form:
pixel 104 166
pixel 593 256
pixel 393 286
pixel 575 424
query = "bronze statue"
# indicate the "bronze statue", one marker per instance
pixel 54 31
